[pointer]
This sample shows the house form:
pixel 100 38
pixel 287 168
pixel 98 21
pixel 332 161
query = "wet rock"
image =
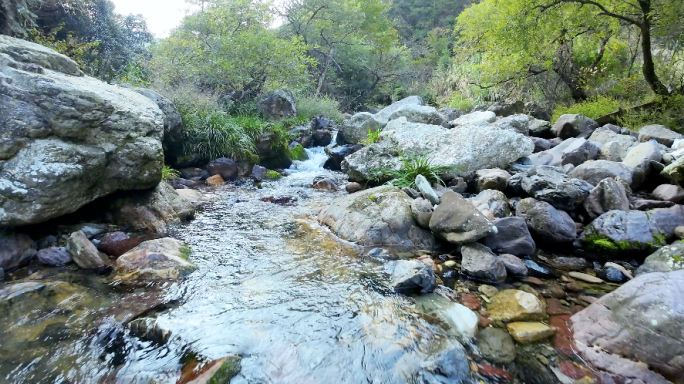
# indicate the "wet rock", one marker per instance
pixel 321 137
pixel 54 257
pixel 13 291
pixel 481 264
pixel 550 185
pixel 470 301
pixel 623 234
pixel 457 221
pixel 491 179
pixel 532 371
pixel 147 329
pixel 666 259
pixel 491 203
pixel 585 277
pixel 514 305
pixel 450 366
pixel 259 172
pixel 218 371
pixel 568 126
pixel 613 275
pixel 338 154
pixel 659 133
pixel 568 263
pixel 629 325
pixel 192 173
pixel 278 104
pixel 225 167
pixel 608 195
pixel 645 205
pixel 15 249
pixel 154 210
pixel 410 276
pixel 381 255
pixel 512 237
pixel 272 154
pixel 594 171
pixel 462 321
pixel 426 189
pixel 92 230
pixel 514 265
pixel 545 222
pixel 422 212
pixel 84 253
pixel 529 332
pixel 324 185
pixel 117 243
pixel 496 345
pixel 668 192
pixel 377 217
pixel 69 139
pixel 353 187
pixel 154 260
pixel 537 270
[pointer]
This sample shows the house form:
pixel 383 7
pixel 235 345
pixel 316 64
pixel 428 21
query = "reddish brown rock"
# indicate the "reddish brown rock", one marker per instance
pixel 494 373
pixel 534 281
pixel 470 301
pixel 215 180
pixel 563 339
pixel 575 371
pixel 554 307
pixel 117 243
pixel 573 286
pixel 483 321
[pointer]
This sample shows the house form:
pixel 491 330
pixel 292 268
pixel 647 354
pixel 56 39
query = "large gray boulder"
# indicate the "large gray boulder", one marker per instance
pixel 630 233
pixel 573 151
pixel 659 133
pixel 518 123
pixel 278 104
pixel 15 249
pixel 470 148
pixel 573 125
pixel 594 171
pixel 666 259
pixel 507 109
pixel 377 217
pixel 474 119
pixel 414 113
pixel 641 158
pixel 512 237
pixel 355 129
pixel 549 184
pixel 636 331
pixel 174 133
pixel 384 115
pixel 545 222
pixel 67 139
pixel 608 195
pixel 481 264
pixel 154 210
pixel 458 221
pixel 614 145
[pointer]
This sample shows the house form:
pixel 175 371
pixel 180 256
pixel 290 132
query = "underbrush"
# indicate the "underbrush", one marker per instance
pixel 665 111
pixel 410 168
pixel 592 108
pixel 309 107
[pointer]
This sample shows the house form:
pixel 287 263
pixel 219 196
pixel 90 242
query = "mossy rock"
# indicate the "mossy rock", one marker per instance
pixel 272 175
pixel 228 369
pixel 298 153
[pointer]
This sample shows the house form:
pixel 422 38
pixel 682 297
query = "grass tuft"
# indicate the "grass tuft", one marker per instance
pixel 410 168
pixel 169 173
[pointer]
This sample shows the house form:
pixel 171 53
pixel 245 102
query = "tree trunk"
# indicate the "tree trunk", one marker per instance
pixel 565 69
pixel 321 78
pixel 649 67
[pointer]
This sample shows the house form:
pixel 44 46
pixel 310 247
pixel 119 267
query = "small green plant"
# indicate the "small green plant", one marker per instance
pixel 272 175
pixel 373 137
pixel 410 168
pixel 169 173
pixel 592 108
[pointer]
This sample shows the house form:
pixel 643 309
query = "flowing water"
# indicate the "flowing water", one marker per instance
pixel 273 286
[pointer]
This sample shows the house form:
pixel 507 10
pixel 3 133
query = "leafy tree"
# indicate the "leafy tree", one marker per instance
pixel 512 40
pixel 229 48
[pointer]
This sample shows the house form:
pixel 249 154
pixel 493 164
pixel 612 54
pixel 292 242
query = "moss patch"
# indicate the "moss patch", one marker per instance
pixel 273 175
pixel 298 153
pixel 185 252
pixel 229 369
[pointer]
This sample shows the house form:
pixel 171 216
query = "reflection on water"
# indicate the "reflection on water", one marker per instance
pixel 275 287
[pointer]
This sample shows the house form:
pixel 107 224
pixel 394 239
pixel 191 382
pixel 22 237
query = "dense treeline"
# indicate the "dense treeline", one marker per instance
pixel 353 54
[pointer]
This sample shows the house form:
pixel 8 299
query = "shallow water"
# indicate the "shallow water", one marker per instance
pixel 273 286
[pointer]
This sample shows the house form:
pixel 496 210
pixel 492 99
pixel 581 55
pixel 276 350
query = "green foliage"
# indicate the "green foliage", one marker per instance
pixel 213 134
pixel 667 111
pixel 593 108
pixel 272 175
pixel 312 106
pixel 230 48
pixel 169 173
pixel 70 46
pixel 459 102
pixel 410 168
pixel 373 137
pixel 298 153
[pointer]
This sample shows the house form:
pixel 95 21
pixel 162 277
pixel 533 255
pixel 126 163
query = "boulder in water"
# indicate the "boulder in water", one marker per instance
pixel 84 253
pixel 154 260
pixel 410 276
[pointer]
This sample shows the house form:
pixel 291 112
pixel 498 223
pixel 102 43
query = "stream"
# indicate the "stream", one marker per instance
pixel 273 286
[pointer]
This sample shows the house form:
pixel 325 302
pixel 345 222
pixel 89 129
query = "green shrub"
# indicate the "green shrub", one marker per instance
pixel 312 106
pixel 292 122
pixel 592 108
pixel 169 173
pixel 213 134
pixel 373 137
pixel 667 111
pixel 272 175
pixel 459 102
pixel 410 168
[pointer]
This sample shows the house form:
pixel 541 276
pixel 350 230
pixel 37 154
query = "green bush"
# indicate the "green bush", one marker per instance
pixel 213 134
pixel 311 106
pixel 459 102
pixel 592 108
pixel 667 111
pixel 410 168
